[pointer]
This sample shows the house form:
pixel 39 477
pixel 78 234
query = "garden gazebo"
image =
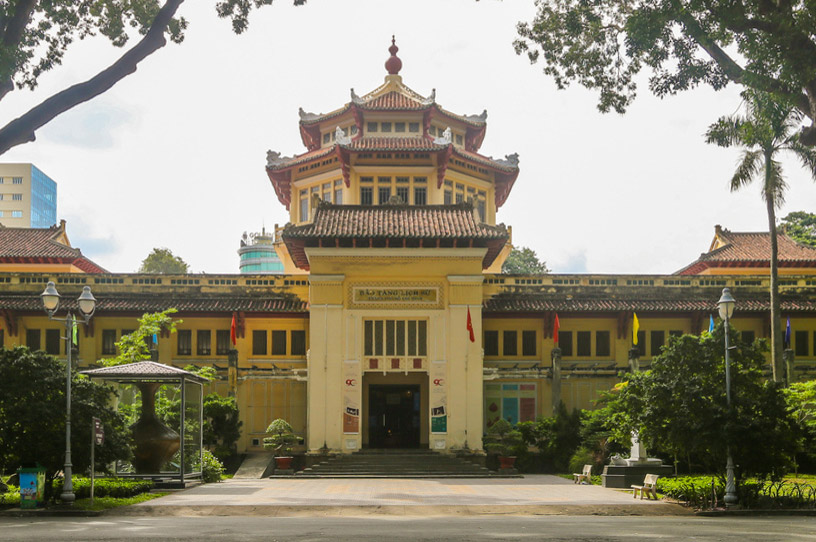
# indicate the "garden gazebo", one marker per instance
pixel 156 444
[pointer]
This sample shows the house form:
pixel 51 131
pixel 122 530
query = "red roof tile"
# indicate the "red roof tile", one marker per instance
pixel 41 245
pixel 743 248
pixel 152 303
pixel 395 221
pixel 394 144
pixel 425 226
pixel 393 101
pixel 30 242
pixel 509 302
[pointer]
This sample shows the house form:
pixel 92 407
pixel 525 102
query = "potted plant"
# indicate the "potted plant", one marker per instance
pixel 502 439
pixel 280 440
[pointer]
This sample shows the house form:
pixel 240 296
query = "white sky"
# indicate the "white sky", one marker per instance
pixel 173 156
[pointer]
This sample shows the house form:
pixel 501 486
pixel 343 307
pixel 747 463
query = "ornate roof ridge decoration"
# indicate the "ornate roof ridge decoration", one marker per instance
pixel 340 137
pixel 396 225
pixel 275 160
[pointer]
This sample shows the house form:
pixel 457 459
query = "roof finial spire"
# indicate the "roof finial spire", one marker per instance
pixel 393 64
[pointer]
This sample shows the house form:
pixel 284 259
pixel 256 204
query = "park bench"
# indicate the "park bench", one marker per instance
pixel 585 475
pixel 649 487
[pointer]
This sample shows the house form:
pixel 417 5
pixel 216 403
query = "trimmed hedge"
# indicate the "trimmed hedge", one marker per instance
pixel 705 491
pixel 11 497
pixel 105 487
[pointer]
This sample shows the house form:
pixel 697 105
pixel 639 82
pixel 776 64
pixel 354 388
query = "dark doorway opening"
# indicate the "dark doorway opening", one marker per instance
pixel 393 416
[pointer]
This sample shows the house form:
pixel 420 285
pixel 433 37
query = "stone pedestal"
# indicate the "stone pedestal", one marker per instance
pixel 624 476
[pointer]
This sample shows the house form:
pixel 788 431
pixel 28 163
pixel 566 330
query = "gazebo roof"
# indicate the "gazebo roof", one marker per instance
pixel 143 370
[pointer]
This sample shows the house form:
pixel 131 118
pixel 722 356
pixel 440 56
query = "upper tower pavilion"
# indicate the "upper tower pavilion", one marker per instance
pixel 392 143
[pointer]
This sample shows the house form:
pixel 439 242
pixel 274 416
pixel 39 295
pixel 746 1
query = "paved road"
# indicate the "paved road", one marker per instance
pixel 391 528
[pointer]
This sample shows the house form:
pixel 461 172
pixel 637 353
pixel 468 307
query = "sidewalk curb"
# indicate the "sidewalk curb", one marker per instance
pixel 749 513
pixel 400 510
pixel 50 513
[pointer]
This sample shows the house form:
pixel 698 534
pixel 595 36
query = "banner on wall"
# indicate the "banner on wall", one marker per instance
pixel 351 399
pixel 439 398
pixel 512 402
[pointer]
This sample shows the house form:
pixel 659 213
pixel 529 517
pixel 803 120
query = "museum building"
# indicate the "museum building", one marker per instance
pixel 391 325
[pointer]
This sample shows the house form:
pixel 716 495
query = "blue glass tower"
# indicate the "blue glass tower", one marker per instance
pixel 43 199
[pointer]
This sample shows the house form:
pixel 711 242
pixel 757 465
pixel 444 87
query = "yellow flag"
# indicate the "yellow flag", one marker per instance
pixel 635 328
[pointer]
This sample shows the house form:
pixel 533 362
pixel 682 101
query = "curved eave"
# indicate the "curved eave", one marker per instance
pixel 506 175
pixel 297 246
pixel 310 129
pixel 699 266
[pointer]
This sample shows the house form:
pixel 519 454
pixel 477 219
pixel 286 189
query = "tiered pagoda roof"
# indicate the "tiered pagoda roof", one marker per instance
pixel 749 249
pixel 391 96
pixel 394 226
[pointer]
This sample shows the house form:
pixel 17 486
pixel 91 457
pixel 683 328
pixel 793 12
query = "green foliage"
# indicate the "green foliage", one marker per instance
pixel 32 415
pixel 679 406
pixel 801 401
pixel 524 261
pixel 502 439
pixel 133 347
pixel 212 469
pixel 582 456
pixel 162 261
pixel 36 35
pixel 556 437
pixel 281 438
pixel 768 129
pixel 238 11
pixel 801 227
pixel 105 487
pixel 605 44
pixel 10 497
pixel 704 491
pixel 222 425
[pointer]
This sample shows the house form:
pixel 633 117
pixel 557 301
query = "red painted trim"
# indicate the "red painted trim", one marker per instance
pixel 442 159
pixel 282 183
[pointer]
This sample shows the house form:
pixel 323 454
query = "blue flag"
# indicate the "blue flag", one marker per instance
pixel 787 334
pixel 710 323
pixel 155 339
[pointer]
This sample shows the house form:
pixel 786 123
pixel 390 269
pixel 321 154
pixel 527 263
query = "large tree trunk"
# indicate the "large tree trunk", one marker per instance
pixel 22 129
pixel 776 329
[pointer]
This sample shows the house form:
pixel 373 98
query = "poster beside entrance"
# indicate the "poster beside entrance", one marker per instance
pixel 351 398
pixel 439 398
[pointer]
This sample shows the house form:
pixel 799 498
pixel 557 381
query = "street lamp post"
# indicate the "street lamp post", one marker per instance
pixel 726 306
pixel 87 304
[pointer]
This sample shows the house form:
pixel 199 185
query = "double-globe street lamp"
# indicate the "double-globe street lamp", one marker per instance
pixel 86 304
pixel 726 306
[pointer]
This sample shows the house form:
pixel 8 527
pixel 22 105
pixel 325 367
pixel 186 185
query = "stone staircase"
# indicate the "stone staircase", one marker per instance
pixel 396 464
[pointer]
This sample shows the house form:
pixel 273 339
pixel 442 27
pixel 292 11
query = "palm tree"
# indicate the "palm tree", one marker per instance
pixel 769 128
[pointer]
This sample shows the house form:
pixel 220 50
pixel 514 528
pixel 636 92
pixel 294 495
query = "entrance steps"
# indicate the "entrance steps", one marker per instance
pixel 396 464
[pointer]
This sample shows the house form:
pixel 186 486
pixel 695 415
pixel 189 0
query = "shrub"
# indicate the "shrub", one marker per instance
pixel 556 437
pixel 581 457
pixel 502 439
pixel 11 497
pixel 281 438
pixel 211 468
pixel 105 487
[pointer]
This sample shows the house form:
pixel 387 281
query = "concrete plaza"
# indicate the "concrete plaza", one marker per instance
pixel 533 494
